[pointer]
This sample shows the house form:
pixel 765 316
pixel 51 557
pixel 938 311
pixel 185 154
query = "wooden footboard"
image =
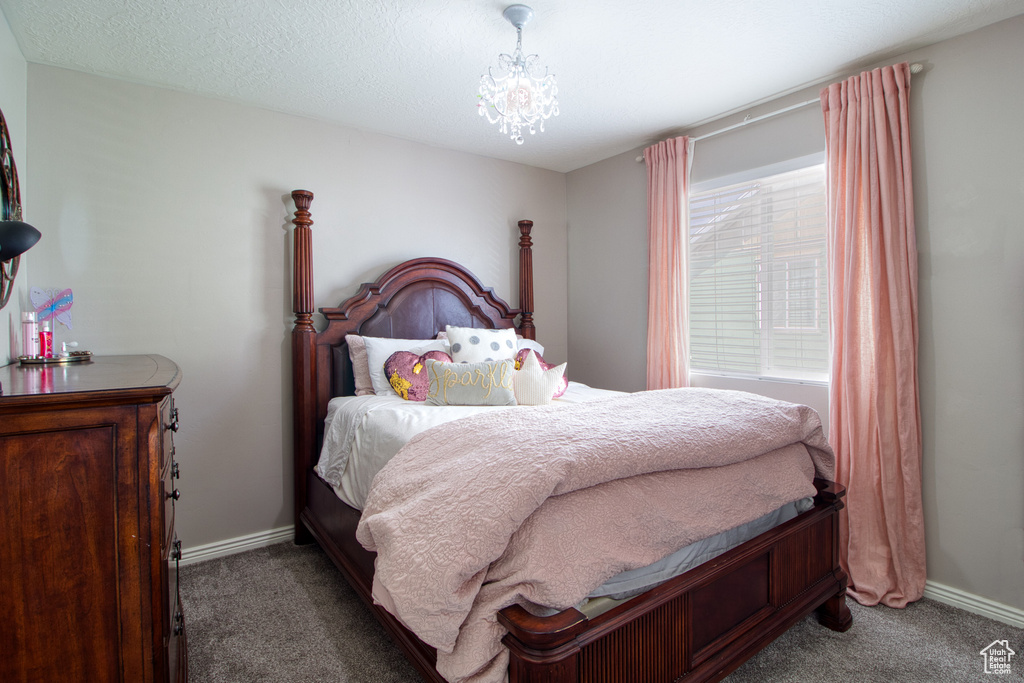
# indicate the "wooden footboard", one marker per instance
pixel 699 626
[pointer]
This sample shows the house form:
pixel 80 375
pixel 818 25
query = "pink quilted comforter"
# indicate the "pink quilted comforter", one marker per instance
pixel 542 505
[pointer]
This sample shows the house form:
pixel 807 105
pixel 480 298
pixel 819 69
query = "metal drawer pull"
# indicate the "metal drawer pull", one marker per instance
pixel 175 494
pixel 173 426
pixel 175 472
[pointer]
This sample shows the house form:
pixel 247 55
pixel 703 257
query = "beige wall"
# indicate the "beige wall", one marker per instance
pixel 167 214
pixel 968 143
pixel 13 99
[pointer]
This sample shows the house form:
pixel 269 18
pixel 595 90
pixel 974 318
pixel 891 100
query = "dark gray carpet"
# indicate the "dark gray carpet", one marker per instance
pixel 284 613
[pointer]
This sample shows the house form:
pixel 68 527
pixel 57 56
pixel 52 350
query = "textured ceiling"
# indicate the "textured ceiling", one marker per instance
pixel 627 72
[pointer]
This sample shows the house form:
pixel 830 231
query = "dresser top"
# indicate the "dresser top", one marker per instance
pixel 143 378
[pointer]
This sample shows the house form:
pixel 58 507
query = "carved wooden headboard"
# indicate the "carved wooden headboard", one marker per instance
pixel 413 300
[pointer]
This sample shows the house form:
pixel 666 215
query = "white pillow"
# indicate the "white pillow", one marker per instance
pixel 475 345
pixel 535 386
pixel 379 349
pixel 525 343
pixel 521 343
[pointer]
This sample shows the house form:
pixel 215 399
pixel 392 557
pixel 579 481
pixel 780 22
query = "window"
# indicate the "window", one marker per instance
pixel 758 291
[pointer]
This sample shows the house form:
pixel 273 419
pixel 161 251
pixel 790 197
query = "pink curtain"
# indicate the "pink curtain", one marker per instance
pixel 668 180
pixel 873 402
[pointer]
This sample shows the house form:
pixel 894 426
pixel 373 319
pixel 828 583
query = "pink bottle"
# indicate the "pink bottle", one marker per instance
pixel 45 339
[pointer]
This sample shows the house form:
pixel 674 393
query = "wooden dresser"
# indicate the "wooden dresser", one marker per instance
pixel 88 553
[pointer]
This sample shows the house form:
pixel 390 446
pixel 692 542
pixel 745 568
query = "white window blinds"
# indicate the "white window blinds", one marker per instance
pixel 758 293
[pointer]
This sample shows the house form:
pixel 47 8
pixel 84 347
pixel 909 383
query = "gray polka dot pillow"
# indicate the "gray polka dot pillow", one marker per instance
pixel 475 345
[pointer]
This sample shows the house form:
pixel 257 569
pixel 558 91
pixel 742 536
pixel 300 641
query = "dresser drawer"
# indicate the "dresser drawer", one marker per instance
pixel 175 651
pixel 168 514
pixel 174 611
pixel 177 648
pixel 168 425
pixel 168 494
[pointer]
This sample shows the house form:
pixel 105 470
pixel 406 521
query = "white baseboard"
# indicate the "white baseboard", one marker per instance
pixel 976 604
pixel 260 539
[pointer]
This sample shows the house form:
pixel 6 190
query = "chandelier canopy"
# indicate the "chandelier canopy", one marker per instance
pixel 521 93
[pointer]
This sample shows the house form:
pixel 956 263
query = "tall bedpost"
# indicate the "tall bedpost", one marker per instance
pixel 526 327
pixel 303 354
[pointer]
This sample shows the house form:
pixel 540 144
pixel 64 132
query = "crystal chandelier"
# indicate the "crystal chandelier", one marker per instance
pixel 519 96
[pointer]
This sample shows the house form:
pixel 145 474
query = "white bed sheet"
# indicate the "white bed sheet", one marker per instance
pixel 362 433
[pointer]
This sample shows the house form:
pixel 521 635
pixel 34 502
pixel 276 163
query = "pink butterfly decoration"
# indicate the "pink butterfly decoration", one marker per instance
pixel 53 304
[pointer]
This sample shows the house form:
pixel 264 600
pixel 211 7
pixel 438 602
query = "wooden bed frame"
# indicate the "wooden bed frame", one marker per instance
pixel 699 626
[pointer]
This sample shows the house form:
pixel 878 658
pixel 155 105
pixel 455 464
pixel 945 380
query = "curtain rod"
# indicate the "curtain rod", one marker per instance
pixel 914 69
pixel 747 119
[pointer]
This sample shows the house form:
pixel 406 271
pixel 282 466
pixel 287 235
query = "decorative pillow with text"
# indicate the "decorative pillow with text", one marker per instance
pixel 470 384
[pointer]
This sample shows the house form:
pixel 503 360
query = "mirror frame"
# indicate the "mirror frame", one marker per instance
pixel 10 207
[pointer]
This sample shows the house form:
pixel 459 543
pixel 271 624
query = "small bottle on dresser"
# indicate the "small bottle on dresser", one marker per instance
pixel 45 339
pixel 29 334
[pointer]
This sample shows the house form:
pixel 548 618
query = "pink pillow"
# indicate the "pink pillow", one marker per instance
pixel 360 364
pixel 407 373
pixel 521 356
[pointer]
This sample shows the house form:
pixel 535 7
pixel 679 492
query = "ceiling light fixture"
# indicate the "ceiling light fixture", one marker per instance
pixel 518 97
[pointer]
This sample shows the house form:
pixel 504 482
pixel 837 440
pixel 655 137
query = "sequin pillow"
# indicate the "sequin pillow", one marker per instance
pixel 407 373
pixel 379 349
pixel 563 383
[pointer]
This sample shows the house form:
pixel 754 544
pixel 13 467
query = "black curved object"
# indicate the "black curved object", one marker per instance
pixel 16 237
